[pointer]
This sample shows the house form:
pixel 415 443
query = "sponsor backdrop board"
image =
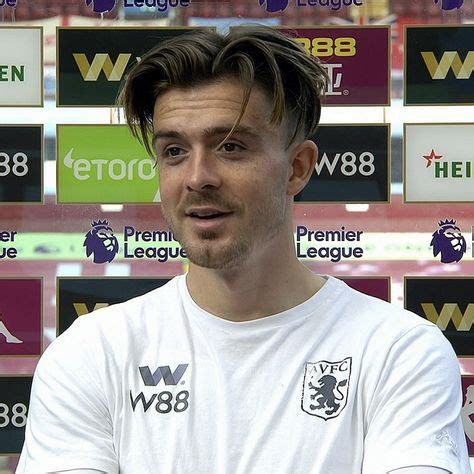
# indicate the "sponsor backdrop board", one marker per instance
pixel 357 60
pixel 103 164
pixel 379 287
pixel 467 410
pixel 21 164
pixel 79 296
pixel 91 62
pixel 21 67
pixel 14 404
pixel 439 65
pixel 439 162
pixel 353 165
pixel 448 303
pixel 20 317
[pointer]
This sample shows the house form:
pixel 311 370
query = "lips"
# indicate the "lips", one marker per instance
pixel 207 213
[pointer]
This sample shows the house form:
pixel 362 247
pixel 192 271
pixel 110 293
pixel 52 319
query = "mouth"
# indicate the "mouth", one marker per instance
pixel 209 219
pixel 207 214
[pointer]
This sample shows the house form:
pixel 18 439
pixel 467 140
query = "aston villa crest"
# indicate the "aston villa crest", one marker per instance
pixel 326 387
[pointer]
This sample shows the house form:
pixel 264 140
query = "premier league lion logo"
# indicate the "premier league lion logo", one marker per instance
pixel 102 6
pixel 450 4
pixel 101 242
pixel 273 6
pixel 326 387
pixel 448 241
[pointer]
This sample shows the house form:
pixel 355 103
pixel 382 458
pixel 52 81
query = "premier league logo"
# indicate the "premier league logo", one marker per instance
pixel 273 6
pixel 326 387
pixel 101 242
pixel 102 6
pixel 450 4
pixel 448 241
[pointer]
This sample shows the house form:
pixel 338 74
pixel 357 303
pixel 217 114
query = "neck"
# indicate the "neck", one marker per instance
pixel 266 283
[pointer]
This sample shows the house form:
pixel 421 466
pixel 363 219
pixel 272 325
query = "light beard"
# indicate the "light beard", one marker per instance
pixel 206 250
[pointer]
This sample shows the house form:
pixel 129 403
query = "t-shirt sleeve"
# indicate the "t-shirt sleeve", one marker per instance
pixel 69 425
pixel 413 416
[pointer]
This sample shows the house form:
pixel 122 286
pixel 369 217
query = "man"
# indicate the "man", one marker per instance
pixel 250 363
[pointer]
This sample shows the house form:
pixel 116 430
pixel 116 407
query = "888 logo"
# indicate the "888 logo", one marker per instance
pixel 16 164
pixel 346 51
pixel 14 406
pixel 325 47
pixel 21 163
pixel 14 415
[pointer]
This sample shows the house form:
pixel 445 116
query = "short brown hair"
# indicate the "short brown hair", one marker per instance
pixel 293 81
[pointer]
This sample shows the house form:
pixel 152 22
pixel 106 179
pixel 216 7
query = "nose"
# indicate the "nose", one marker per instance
pixel 202 171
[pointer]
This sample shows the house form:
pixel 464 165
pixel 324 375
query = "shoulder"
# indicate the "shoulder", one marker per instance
pixel 374 317
pixel 111 329
pixel 135 311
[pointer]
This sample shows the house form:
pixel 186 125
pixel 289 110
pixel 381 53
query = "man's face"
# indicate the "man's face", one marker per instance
pixel 223 201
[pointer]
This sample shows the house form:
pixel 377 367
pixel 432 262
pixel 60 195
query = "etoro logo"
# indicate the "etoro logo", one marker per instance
pixel 101 242
pixel 101 6
pixel 448 241
pixel 116 169
pixel 450 4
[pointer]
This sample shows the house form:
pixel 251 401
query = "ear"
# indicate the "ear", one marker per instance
pixel 303 159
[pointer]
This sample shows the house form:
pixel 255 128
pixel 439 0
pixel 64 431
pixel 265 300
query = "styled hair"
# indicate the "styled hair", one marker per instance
pixel 253 55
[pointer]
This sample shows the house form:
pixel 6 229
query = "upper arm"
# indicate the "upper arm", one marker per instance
pixel 69 425
pixel 413 418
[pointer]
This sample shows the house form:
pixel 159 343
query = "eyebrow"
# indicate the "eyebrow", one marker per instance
pixel 209 132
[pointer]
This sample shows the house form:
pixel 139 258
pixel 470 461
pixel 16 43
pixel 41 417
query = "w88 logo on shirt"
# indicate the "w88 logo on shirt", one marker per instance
pixel 164 402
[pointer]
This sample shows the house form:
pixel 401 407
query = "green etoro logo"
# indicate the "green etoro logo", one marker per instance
pixel 104 164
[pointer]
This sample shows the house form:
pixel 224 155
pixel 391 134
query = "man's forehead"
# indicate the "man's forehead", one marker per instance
pixel 216 100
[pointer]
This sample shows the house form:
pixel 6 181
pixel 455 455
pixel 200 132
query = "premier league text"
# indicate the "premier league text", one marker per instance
pixel 135 245
pixel 330 247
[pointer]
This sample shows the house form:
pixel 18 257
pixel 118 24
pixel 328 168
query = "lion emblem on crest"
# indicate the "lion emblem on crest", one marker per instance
pixel 327 394
pixel 448 241
pixel 326 387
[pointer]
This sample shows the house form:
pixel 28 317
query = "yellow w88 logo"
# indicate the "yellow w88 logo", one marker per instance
pixel 449 60
pixel 450 312
pixel 102 62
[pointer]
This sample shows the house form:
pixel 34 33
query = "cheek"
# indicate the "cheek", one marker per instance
pixel 169 186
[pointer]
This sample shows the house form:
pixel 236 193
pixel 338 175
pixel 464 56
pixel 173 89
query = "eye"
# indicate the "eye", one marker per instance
pixel 173 151
pixel 231 147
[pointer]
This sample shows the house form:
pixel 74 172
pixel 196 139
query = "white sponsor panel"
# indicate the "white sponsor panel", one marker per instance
pixel 439 162
pixel 21 66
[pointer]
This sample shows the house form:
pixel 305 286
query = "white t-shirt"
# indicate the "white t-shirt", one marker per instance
pixel 340 384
